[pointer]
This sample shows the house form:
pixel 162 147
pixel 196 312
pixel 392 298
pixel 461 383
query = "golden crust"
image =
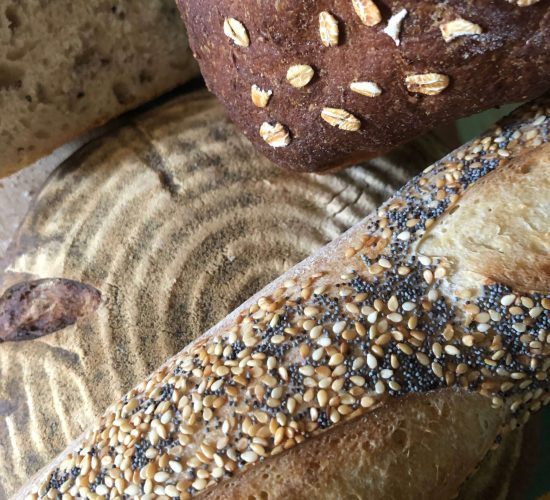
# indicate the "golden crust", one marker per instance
pixel 510 205
pixel 422 446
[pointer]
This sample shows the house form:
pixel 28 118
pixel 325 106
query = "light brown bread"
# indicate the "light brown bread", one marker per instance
pixel 175 197
pixel 68 66
pixel 360 351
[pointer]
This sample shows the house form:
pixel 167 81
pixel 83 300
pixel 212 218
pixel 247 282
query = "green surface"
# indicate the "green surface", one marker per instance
pixel 541 482
pixel 468 128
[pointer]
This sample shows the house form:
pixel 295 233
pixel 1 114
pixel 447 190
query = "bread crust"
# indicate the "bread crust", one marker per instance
pixel 236 222
pixel 525 185
pixel 482 69
pixel 69 67
pixel 483 380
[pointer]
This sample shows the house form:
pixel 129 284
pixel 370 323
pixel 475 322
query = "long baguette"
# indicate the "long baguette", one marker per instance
pixel 384 366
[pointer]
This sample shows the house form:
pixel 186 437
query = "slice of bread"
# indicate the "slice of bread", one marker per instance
pixel 69 65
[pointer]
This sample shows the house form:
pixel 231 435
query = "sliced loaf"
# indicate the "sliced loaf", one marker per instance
pixel 67 66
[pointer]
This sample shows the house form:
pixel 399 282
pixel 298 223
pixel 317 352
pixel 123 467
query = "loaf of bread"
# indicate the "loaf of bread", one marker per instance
pixel 183 158
pixel 317 85
pixel 67 66
pixel 384 366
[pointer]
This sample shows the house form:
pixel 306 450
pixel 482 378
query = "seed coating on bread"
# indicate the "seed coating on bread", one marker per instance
pixel 323 348
pixel 436 61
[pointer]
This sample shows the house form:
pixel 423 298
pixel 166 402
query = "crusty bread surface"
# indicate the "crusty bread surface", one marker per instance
pixel 236 222
pixel 68 66
pixel 367 362
pixel 394 69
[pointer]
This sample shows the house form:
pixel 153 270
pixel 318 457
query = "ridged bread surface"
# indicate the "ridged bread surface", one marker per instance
pixel 176 220
pixel 349 359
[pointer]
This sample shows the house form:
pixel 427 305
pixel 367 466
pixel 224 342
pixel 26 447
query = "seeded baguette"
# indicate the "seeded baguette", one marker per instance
pixel 343 81
pixel 69 66
pixel 386 365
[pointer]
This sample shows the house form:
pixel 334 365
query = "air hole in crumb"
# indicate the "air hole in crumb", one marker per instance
pixel 41 94
pixel 83 59
pixel 14 21
pixel 399 437
pixel 264 495
pixel 16 53
pixel 145 76
pixel 42 134
pixel 10 76
pixel 122 93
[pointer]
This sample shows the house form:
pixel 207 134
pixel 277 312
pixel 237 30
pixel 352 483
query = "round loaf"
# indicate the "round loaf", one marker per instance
pixel 383 365
pixel 393 69
pixel 176 220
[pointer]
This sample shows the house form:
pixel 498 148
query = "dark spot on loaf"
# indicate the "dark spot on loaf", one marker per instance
pixel 32 309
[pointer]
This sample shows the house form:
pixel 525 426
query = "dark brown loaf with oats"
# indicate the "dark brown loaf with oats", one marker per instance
pixel 385 366
pixel 320 84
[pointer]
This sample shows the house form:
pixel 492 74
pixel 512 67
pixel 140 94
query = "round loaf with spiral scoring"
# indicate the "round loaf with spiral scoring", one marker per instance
pixel 175 219
pixel 385 365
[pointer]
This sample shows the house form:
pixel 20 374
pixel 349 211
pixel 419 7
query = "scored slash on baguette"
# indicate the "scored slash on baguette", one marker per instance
pixel 356 352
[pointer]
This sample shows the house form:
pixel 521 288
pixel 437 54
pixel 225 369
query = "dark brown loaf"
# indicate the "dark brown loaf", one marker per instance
pixel 508 61
pixel 384 366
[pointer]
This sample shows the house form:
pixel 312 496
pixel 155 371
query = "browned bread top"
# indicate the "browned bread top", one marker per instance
pixel 319 84
pixel 387 362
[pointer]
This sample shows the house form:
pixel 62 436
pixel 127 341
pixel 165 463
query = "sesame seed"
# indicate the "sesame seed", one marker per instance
pixel 507 300
pixel 358 380
pixel 395 317
pixel 437 349
pixel 405 348
pixel 132 490
pixel 339 327
pixel 428 276
pixel 437 369
pixel 394 385
pixel 535 312
pixel 404 236
pixel 422 358
pixel 424 260
pixel 336 359
pixel 380 387
pixel 249 456
pixel 322 397
pixel 311 311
